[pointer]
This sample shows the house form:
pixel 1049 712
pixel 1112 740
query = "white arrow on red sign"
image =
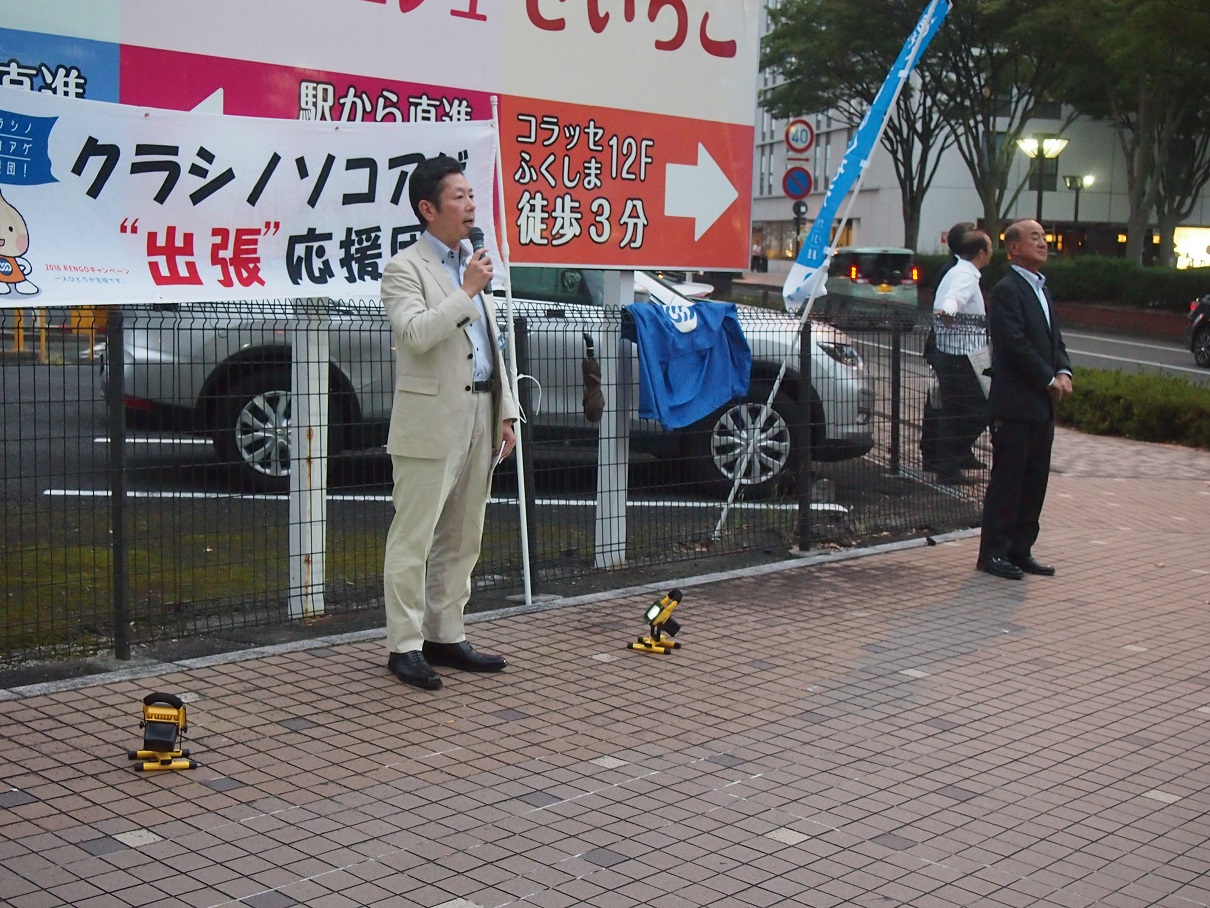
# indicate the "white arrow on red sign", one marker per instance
pixel 700 191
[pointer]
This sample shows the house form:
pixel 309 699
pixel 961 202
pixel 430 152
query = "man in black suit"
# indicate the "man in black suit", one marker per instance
pixel 1030 375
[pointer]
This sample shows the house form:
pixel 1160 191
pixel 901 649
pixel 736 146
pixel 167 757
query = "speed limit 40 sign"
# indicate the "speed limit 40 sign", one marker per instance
pixel 800 136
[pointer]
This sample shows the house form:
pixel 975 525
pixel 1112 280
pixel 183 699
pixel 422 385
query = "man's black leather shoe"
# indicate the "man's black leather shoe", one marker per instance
pixel 951 478
pixel 412 668
pixel 1000 567
pixel 1031 565
pixel 971 462
pixel 462 655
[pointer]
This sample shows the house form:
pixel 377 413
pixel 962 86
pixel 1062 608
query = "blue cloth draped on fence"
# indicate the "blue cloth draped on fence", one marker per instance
pixel 692 359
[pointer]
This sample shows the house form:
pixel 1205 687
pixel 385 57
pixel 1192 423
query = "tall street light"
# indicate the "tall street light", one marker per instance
pixel 1077 183
pixel 1037 149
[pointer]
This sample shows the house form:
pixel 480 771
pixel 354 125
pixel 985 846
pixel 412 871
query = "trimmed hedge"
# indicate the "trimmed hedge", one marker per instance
pixel 1140 406
pixel 1100 279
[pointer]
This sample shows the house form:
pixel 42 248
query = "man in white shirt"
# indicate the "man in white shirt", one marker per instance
pixel 930 417
pixel 959 326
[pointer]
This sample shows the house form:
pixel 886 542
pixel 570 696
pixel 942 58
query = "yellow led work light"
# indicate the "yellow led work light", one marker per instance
pixel 659 617
pixel 164 728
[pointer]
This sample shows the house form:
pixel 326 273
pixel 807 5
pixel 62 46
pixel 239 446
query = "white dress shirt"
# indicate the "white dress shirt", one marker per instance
pixel 960 298
pixel 1037 281
pixel 455 266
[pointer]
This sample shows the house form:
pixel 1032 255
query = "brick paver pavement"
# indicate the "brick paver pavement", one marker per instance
pixel 890 729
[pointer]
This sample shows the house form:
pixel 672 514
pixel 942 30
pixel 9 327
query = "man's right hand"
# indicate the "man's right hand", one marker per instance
pixel 478 273
pixel 1060 387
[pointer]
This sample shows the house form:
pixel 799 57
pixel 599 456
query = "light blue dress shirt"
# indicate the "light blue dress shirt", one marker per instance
pixel 455 266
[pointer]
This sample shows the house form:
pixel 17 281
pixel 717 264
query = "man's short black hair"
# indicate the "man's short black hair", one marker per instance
pixel 425 182
pixel 971 244
pixel 953 238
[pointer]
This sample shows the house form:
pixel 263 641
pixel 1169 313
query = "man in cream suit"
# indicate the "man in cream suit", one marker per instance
pixel 451 423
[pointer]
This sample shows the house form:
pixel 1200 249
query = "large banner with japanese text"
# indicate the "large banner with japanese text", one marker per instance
pixel 626 126
pixel 113 204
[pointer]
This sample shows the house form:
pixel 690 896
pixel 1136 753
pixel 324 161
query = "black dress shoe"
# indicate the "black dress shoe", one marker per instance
pixel 412 668
pixel 1031 565
pixel 971 462
pixel 951 478
pixel 462 655
pixel 1000 567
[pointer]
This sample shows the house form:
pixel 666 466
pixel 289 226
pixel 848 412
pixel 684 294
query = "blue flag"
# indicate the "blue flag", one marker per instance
pixel 810 270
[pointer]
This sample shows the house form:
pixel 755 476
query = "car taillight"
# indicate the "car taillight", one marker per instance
pixel 912 276
pixel 855 275
pixel 1193 305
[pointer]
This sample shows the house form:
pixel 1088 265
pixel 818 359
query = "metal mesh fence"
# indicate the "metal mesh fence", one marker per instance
pixel 171 515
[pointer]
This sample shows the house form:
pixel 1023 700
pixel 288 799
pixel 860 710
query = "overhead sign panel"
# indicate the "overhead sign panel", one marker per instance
pixel 602 187
pixel 654 99
pixel 105 205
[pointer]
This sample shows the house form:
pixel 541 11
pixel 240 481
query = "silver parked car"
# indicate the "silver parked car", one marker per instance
pixel 223 370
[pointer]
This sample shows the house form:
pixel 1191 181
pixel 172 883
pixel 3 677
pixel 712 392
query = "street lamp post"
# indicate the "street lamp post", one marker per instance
pixel 1076 183
pixel 1039 149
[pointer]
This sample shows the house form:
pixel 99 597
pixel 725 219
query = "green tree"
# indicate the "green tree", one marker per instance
pixel 1142 64
pixel 977 86
pixel 1000 66
pixel 831 60
pixel 1182 175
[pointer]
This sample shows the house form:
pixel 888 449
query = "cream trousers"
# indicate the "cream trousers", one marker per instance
pixel 435 537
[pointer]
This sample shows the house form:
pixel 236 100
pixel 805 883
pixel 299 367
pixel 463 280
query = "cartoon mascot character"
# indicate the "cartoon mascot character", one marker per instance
pixel 14 243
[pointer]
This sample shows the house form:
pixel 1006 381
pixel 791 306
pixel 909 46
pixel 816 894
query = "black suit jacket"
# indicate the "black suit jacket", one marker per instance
pixel 1027 353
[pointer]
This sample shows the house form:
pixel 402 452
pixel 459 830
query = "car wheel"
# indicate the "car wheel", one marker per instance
pixel 716 445
pixel 252 429
pixel 1201 348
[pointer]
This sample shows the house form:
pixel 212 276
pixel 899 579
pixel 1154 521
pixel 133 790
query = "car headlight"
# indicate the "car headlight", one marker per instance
pixel 845 354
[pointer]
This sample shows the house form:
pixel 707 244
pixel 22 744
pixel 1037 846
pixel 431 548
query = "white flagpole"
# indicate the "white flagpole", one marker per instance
pixel 805 311
pixel 511 344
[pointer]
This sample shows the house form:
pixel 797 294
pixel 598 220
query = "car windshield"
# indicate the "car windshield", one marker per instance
pixel 585 286
pixel 882 267
pixel 657 278
pixel 554 285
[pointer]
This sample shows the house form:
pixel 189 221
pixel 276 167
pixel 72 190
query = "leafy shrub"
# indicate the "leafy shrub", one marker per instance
pixel 1098 279
pixel 1140 406
pixel 929 265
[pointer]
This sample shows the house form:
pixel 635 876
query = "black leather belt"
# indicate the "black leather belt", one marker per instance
pixel 481 387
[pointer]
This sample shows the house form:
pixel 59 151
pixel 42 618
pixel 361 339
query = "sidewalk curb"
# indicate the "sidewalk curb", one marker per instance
pixel 808 559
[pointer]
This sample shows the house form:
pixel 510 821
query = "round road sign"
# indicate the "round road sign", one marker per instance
pixel 800 136
pixel 796 183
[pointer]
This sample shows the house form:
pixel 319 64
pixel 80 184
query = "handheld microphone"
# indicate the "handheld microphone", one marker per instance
pixel 476 237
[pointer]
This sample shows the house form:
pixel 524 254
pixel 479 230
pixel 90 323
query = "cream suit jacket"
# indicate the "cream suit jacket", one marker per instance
pixel 433 356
